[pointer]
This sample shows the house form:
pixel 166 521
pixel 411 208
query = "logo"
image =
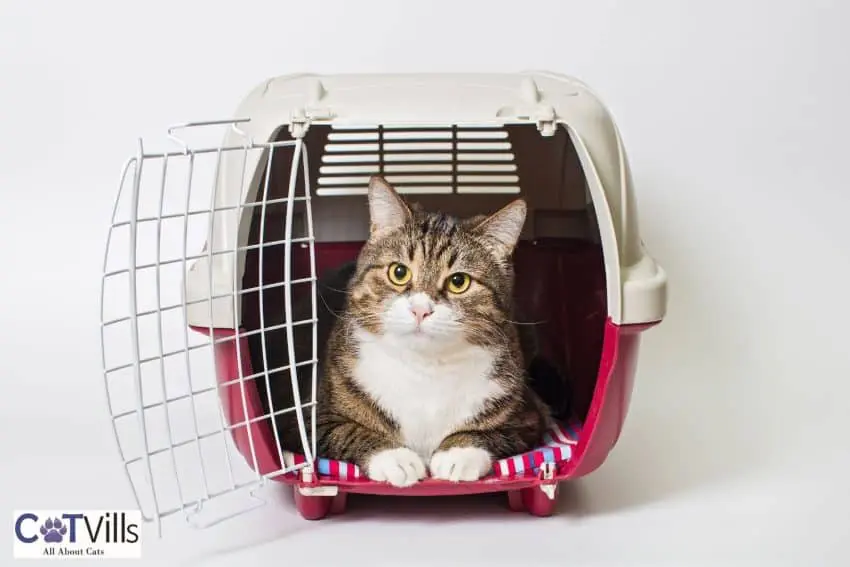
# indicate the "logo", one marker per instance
pixel 87 534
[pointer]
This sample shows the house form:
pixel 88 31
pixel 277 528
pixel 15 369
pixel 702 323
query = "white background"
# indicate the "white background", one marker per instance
pixel 735 115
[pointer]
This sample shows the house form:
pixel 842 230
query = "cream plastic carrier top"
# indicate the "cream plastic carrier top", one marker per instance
pixel 636 284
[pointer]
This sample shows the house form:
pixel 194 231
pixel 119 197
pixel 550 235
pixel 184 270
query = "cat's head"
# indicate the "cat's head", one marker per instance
pixel 432 280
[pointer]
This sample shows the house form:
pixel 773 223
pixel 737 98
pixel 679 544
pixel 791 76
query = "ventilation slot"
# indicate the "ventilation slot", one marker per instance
pixel 418 160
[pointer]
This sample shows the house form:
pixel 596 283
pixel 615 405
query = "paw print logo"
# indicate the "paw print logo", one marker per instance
pixel 53 530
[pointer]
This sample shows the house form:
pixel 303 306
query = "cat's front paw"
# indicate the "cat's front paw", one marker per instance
pixel 460 463
pixel 400 467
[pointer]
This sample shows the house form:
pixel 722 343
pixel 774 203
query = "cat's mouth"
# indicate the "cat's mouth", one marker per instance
pixel 418 333
pixel 414 331
pixel 425 334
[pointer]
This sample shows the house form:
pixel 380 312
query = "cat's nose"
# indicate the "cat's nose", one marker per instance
pixel 421 312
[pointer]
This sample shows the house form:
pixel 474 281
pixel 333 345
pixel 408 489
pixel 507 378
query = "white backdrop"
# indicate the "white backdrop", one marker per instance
pixel 735 115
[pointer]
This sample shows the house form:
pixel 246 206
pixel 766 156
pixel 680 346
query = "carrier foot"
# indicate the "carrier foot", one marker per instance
pixel 515 501
pixel 538 503
pixel 339 502
pixel 312 507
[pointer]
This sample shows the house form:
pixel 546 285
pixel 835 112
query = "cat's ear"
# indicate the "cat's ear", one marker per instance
pixel 387 210
pixel 502 229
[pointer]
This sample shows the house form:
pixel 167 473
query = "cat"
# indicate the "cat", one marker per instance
pixel 422 369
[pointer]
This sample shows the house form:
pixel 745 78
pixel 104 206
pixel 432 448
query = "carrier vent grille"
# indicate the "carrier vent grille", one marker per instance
pixel 418 160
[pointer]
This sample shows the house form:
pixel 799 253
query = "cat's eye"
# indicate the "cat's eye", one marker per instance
pixel 458 282
pixel 399 274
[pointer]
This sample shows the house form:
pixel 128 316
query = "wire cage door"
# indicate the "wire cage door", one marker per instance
pixel 162 344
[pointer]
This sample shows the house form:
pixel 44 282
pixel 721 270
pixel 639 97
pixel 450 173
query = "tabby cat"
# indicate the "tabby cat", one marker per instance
pixel 423 369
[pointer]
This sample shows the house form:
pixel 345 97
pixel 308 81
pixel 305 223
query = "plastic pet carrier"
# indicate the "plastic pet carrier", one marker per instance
pixel 210 245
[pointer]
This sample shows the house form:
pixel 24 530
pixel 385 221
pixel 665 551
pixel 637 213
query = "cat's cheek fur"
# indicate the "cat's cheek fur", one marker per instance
pixel 460 464
pixel 397 317
pixel 400 467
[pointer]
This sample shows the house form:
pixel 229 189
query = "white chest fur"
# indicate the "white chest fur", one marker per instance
pixel 429 397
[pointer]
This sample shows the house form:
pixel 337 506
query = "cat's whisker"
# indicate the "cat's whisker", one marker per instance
pixel 331 311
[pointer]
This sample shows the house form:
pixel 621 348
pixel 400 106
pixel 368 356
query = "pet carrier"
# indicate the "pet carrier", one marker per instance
pixel 210 246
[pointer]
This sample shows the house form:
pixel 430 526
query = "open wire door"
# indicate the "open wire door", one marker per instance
pixel 180 396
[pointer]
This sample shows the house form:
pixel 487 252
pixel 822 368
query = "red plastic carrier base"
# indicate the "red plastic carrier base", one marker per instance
pixel 604 372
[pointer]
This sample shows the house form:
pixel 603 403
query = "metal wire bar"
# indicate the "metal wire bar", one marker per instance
pixel 237 327
pixel 231 121
pixel 314 294
pixel 207 390
pixel 204 212
pixel 160 341
pixel 258 502
pixel 245 248
pixel 241 486
pixel 106 370
pixel 221 416
pixel 263 345
pixel 227 428
pixel 287 292
pixel 217 341
pixel 194 409
pixel 205 300
pixel 130 162
pixel 201 151
pixel 134 330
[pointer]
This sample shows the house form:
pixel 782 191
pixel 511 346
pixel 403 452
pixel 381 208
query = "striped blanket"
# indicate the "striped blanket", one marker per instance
pixel 557 447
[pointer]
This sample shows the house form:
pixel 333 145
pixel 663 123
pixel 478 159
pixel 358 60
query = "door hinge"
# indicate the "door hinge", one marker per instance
pixel 545 119
pixel 309 485
pixel 300 119
pixel 547 473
